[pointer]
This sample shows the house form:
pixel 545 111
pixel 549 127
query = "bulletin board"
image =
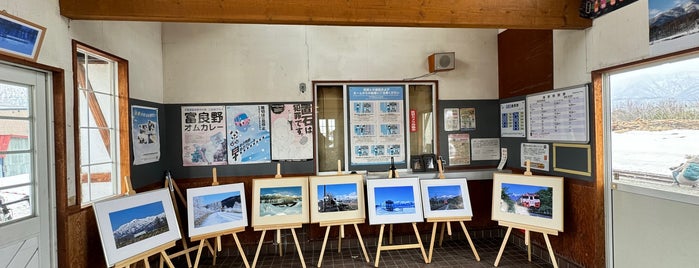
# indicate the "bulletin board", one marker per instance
pixel 560 115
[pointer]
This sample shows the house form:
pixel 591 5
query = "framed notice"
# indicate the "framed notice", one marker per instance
pixel 559 115
pixel 512 119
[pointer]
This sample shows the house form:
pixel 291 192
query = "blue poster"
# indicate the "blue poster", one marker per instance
pixel 145 133
pixel 248 134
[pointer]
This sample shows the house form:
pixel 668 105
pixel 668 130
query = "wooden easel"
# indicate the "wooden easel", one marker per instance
pixel 279 229
pixel 447 222
pixel 527 236
pixel 379 247
pixel 341 235
pixel 174 190
pixel 144 256
pixel 204 239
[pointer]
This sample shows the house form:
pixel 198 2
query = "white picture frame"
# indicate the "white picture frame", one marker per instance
pixel 337 198
pixel 292 208
pixel 394 200
pixel 214 209
pixel 445 198
pixel 525 200
pixel 149 215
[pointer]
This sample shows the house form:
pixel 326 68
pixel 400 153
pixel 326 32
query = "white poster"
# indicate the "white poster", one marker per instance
pixel 248 134
pixel 467 119
pixel 485 149
pixel 459 149
pixel 451 119
pixel 537 154
pixel 292 131
pixel 145 132
pixel 512 119
pixel 377 124
pixel 203 136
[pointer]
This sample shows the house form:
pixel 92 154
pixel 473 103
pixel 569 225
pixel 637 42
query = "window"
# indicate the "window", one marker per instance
pixel 335 135
pixel 101 120
pixel 654 122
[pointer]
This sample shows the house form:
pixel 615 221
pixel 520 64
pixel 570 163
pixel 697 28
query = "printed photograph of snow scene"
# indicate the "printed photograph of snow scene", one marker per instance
pixel 217 209
pixel 446 197
pixel 337 197
pixel 394 200
pixel 276 201
pixel 138 223
pixel 673 25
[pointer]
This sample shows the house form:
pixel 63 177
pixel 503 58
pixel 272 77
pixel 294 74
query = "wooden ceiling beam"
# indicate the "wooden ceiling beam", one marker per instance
pixel 501 14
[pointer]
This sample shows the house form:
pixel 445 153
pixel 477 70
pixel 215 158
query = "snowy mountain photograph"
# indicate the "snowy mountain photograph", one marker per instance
pixel 138 223
pixel 216 209
pixel 394 200
pixel 446 197
pixel 275 201
pixel 673 25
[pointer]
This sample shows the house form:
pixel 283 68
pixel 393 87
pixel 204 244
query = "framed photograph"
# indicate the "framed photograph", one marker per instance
pixel 530 200
pixel 337 198
pixel 20 38
pixel 134 224
pixel 416 164
pixel 214 209
pixel 430 162
pixel 394 201
pixel 444 198
pixel 279 201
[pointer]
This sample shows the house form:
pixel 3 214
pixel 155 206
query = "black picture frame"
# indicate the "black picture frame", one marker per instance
pixel 416 163
pixel 430 162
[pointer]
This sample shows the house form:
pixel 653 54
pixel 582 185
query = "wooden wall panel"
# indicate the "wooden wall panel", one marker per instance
pixel 525 62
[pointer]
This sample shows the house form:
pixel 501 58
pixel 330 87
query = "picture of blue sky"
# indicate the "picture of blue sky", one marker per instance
pixel 657 6
pixel 447 190
pixel 397 193
pixel 291 190
pixel 208 199
pixel 337 189
pixel 522 188
pixel 119 218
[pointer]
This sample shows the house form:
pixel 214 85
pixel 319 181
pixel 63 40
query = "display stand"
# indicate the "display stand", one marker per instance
pixel 447 222
pixel 379 247
pixel 144 256
pixel 341 235
pixel 278 229
pixel 170 184
pixel 527 236
pixel 204 239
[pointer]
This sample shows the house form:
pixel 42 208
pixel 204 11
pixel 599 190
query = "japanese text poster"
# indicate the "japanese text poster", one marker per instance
pixel 377 124
pixel 292 131
pixel 145 133
pixel 512 120
pixel 459 149
pixel 203 135
pixel 485 149
pixel 248 134
pixel 451 119
pixel 467 118
pixel 537 154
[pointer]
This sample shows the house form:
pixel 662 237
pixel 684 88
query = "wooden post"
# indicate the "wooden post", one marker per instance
pixel 279 174
pixel 441 170
pixel 129 188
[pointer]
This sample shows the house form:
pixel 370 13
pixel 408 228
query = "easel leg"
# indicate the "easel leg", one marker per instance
pixel 240 250
pixel 419 241
pixel 441 234
pixel 298 248
pixel 322 248
pixel 434 233
pixel 211 249
pixel 145 262
pixel 470 242
pixel 279 242
pixel 527 242
pixel 339 239
pixel 259 246
pixel 378 246
pixel 553 257
pixel 163 255
pixel 201 246
pixel 390 234
pixel 502 248
pixel 361 243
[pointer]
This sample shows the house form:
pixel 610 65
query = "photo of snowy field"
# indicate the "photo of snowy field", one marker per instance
pixel 217 209
pixel 337 197
pixel 394 200
pixel 276 201
pixel 138 223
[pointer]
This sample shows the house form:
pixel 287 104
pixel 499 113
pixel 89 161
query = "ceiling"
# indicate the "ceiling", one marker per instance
pixel 499 14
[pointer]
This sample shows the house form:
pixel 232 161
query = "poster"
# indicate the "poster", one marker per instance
pixel 377 124
pixel 203 135
pixel 512 119
pixel 558 115
pixel 485 149
pixel 248 134
pixel 673 25
pixel 292 131
pixel 451 119
pixel 467 118
pixel 145 134
pixel 537 154
pixel 459 149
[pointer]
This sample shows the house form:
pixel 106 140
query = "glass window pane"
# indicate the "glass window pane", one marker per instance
pixel 106 108
pixel 98 148
pixel 15 203
pixel 422 140
pixel 99 75
pixel 14 135
pixel 83 109
pixel 13 97
pixel 15 167
pixel 84 148
pixel 331 138
pixel 80 61
pixel 101 181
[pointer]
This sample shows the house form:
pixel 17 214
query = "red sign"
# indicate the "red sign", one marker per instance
pixel 413 120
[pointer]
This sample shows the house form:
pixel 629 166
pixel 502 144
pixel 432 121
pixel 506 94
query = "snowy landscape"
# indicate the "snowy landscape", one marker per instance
pixel 217 209
pixel 673 28
pixel 140 229
pixel 276 201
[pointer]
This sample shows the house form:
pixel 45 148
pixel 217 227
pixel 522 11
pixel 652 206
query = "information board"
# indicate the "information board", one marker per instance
pixel 559 115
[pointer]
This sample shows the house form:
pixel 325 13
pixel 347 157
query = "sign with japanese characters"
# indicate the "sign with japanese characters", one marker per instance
pixel 248 134
pixel 292 131
pixel 203 136
pixel 145 133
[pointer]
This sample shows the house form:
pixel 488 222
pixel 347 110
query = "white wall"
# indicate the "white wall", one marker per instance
pixel 139 43
pixel 262 63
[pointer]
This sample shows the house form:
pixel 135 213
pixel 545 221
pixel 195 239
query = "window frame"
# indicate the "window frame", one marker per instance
pixel 121 126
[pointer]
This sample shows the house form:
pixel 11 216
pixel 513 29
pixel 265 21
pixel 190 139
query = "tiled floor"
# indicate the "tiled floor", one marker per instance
pixel 454 252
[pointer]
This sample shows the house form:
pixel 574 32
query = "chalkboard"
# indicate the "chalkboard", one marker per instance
pixel 487 126
pixel 572 158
